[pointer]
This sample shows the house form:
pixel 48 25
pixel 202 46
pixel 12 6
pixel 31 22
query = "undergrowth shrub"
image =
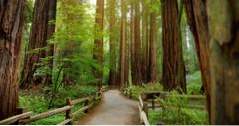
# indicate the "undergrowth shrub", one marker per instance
pixel 174 111
pixel 194 83
pixel 136 90
pixel 39 102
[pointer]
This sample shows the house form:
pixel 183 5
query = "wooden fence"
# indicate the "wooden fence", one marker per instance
pixel 28 117
pixel 148 100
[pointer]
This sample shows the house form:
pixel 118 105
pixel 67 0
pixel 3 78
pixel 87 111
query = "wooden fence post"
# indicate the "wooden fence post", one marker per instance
pixel 153 104
pixel 145 108
pixel 68 112
pixel 19 111
pixel 85 104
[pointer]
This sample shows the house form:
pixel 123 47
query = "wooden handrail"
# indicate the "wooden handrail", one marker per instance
pixel 144 117
pixel 65 122
pixel 141 101
pixel 27 118
pixel 167 94
pixel 47 114
pixel 83 109
pixel 14 119
pixel 80 100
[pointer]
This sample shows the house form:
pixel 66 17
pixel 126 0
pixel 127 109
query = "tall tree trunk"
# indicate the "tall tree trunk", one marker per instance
pixel 122 43
pixel 224 60
pixel 198 22
pixel 137 64
pixel 50 32
pixel 145 40
pixel 37 41
pixel 132 48
pixel 152 49
pixel 126 70
pixel 11 20
pixel 174 75
pixel 123 53
pixel 112 76
pixel 98 44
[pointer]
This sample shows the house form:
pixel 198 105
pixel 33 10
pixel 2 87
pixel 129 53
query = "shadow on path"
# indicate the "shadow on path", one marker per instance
pixel 114 109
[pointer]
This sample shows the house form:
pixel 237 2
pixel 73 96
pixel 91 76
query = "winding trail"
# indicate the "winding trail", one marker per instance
pixel 115 109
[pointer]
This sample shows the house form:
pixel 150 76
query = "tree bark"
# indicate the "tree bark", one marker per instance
pixel 224 60
pixel 137 64
pixel 40 32
pixel 152 49
pixel 173 64
pixel 50 31
pixel 123 39
pixel 98 44
pixel 11 20
pixel 112 76
pixel 198 22
pixel 132 48
pixel 145 41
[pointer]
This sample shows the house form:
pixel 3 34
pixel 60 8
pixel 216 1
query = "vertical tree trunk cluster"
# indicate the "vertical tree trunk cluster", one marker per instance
pixel 173 64
pixel 98 43
pixel 11 20
pixel 142 43
pixel 42 30
pixel 224 60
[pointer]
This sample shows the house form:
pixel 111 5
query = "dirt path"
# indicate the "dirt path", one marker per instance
pixel 115 109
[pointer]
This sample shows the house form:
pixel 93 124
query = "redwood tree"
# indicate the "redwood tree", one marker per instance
pixel 50 31
pixel 98 43
pixel 224 60
pixel 152 48
pixel 145 40
pixel 42 29
pixel 123 63
pixel 173 64
pixel 136 64
pixel 132 48
pixel 198 22
pixel 11 20
pixel 112 28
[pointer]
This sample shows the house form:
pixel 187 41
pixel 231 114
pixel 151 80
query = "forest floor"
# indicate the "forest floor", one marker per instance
pixel 114 109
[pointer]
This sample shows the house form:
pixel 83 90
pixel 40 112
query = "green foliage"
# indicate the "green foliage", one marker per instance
pixel 137 90
pixel 33 102
pixel 53 120
pixel 37 102
pixel 174 111
pixel 72 92
pixel 171 117
pixel 74 39
pixel 194 83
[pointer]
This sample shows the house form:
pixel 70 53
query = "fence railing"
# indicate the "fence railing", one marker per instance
pixel 28 117
pixel 148 100
pixel 143 111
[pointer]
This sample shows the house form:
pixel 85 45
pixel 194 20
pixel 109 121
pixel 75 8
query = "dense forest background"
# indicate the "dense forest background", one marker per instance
pixel 55 49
